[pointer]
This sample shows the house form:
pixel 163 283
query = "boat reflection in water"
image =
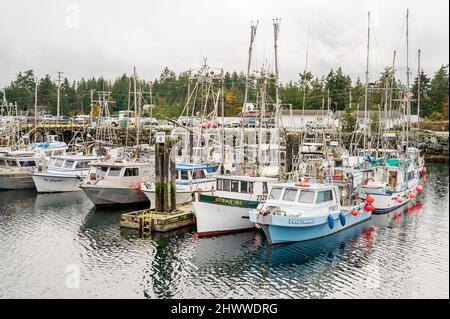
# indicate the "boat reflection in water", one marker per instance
pixel 185 265
pixel 57 201
pixel 385 220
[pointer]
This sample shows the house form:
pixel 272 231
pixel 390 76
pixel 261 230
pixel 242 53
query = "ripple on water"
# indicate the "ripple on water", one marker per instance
pixel 400 255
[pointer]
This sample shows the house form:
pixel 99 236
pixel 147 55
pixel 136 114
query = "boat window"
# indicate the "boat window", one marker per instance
pixel 11 162
pixel 275 193
pixel 306 197
pixel 250 188
pixel 2 163
pixel 324 196
pixel 114 171
pixel 184 175
pixel 82 165
pixel 101 171
pixel 199 174
pixel 59 163
pixel 219 184
pixel 264 188
pixel 290 194
pixel 131 172
pixel 51 162
pixel 226 185
pixel 68 164
pixel 27 163
pixel 235 186
pixel 244 187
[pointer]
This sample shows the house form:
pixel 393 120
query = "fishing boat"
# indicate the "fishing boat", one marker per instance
pixel 395 183
pixel 52 147
pixel 298 211
pixel 225 209
pixel 189 179
pixel 64 173
pixel 116 181
pixel 16 169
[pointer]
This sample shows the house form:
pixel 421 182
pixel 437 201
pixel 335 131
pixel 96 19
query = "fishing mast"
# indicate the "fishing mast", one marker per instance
pixel 367 83
pixel 253 27
pixel 276 30
pixel 408 95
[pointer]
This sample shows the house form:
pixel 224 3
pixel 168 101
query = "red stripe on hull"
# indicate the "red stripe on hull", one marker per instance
pixel 222 232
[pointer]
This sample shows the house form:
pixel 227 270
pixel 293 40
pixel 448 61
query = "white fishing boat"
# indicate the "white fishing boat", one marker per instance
pixel 16 169
pixel 64 173
pixel 190 178
pixel 116 181
pixel 225 209
pixel 298 211
pixel 395 183
pixel 52 147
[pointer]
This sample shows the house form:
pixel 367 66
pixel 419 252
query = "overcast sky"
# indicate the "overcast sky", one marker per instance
pixel 106 38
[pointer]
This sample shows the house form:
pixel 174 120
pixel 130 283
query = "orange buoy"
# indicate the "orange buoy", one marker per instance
pixel 399 199
pixel 369 208
pixel 355 212
pixel 412 195
pixel 419 188
pixel 424 170
pixel 370 199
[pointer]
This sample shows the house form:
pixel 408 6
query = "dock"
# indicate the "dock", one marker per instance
pixel 148 221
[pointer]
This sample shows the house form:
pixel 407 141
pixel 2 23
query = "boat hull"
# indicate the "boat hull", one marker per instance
pixel 284 229
pixel 56 184
pixel 214 218
pixel 16 182
pixel 385 203
pixel 105 197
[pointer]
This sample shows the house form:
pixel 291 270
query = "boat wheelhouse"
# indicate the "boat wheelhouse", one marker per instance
pixel 16 169
pixel 63 174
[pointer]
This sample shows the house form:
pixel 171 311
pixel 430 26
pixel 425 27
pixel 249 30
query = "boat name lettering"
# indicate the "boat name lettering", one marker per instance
pixel 228 201
pixel 300 221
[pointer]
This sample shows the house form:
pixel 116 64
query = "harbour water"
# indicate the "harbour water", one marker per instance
pixel 49 241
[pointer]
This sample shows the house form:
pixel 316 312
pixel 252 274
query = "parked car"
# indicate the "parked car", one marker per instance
pixel 149 121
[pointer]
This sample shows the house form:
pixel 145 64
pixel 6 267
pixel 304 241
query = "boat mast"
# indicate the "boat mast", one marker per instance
pixel 304 76
pixel 253 28
pixel 367 82
pixel 408 99
pixel 276 30
pixel 418 88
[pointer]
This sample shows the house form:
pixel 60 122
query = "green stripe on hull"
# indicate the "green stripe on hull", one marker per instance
pixel 228 201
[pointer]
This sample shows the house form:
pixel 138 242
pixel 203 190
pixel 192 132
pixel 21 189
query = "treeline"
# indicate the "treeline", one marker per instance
pixel 169 92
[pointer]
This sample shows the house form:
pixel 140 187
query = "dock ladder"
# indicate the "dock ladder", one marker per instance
pixel 146 223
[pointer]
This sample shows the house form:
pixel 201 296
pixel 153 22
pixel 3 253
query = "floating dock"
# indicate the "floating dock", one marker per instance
pixel 148 221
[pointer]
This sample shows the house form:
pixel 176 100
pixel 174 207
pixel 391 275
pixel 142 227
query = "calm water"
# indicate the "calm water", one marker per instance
pixel 46 238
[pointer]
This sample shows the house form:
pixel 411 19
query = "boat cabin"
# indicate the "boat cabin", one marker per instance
pixel 23 160
pixel 119 170
pixel 71 162
pixel 194 172
pixel 244 185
